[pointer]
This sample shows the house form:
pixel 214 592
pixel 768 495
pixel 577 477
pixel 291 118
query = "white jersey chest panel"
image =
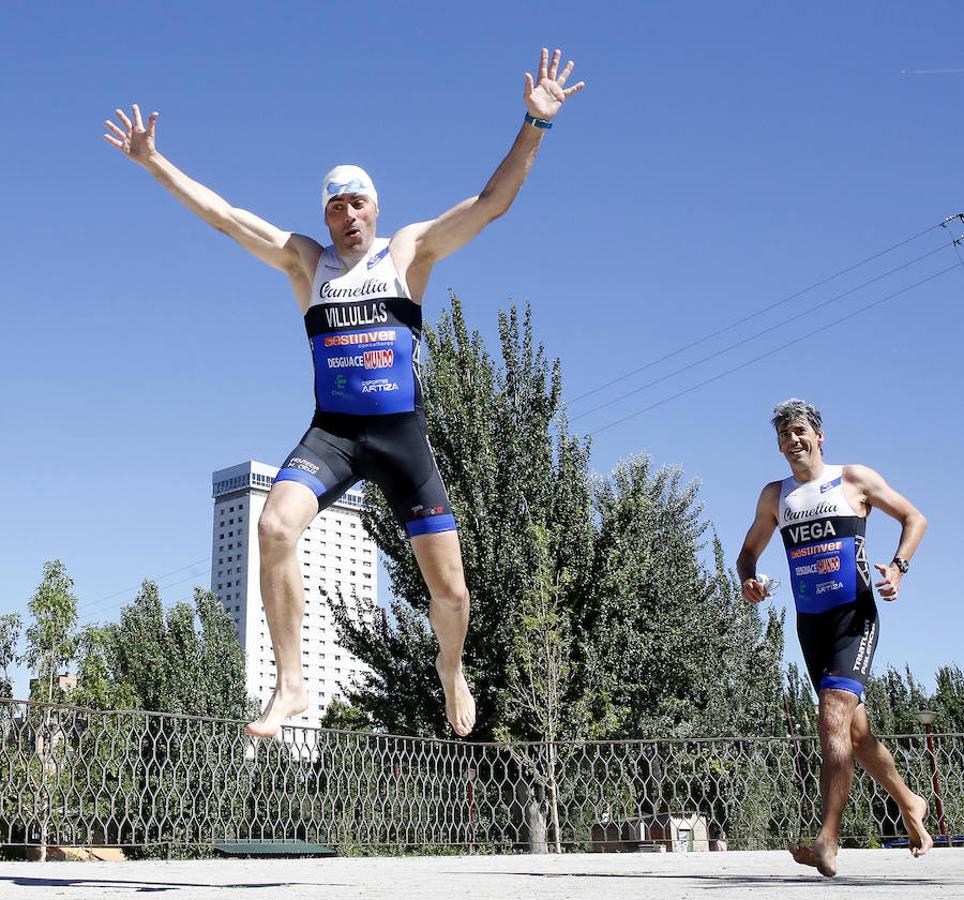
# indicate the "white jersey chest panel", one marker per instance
pixel 373 277
pixel 817 499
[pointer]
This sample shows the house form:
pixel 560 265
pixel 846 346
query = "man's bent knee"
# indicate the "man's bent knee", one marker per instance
pixel 836 713
pixel 454 598
pixel 863 741
pixel 861 736
pixel 286 515
pixel 274 532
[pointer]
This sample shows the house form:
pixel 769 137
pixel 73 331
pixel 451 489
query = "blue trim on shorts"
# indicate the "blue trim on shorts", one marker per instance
pixel 836 683
pixel 302 477
pixel 431 524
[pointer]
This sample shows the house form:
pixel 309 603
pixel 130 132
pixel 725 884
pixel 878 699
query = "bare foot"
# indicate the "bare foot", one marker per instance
pixel 459 705
pixel 820 856
pixel 283 703
pixel 920 840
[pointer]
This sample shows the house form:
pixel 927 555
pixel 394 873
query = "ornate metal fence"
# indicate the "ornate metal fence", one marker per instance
pixel 71 776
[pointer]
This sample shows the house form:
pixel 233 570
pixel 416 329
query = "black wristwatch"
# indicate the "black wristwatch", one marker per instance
pixel 901 564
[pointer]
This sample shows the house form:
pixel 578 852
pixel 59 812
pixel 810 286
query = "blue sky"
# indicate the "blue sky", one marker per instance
pixel 721 158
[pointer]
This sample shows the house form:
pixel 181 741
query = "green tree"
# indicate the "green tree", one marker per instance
pixel 659 643
pixel 342 716
pixel 139 648
pixel 892 700
pixel 51 645
pixel 97 687
pixel 672 645
pixel 52 636
pixel 948 700
pixel 10 625
pixel 222 659
pixel 746 695
pixel 508 463
pixel 543 699
pixel 186 659
pixel 800 702
pixel 182 660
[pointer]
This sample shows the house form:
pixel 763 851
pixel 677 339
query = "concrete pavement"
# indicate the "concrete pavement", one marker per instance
pixel 878 874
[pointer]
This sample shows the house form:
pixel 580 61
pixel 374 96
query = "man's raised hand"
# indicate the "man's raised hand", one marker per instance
pixel 889 585
pixel 133 138
pixel 754 591
pixel 544 96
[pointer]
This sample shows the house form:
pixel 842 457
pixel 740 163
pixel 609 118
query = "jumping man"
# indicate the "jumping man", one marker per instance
pixel 821 511
pixel 361 298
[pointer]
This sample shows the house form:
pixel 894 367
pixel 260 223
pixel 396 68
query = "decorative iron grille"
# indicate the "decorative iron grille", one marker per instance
pixel 80 777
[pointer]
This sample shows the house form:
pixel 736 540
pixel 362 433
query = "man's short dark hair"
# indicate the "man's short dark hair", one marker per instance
pixel 794 408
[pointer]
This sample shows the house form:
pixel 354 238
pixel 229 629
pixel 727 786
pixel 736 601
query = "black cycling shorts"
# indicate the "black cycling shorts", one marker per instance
pixel 838 644
pixel 391 450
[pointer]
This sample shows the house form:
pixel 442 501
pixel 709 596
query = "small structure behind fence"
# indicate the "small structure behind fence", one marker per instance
pixel 81 777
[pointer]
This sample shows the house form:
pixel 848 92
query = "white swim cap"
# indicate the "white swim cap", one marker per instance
pixel 347 180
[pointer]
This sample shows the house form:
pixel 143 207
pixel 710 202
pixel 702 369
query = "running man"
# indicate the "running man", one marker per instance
pixel 361 298
pixel 821 511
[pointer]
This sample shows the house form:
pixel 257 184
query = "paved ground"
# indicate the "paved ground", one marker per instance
pixel 880 874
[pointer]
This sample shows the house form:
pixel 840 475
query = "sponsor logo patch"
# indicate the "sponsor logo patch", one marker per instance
pixel 816 549
pixel 862 662
pixel 296 462
pixel 377 258
pixel 830 485
pixel 422 512
pixel 381 386
pixel 813 531
pixel 366 289
pixel 345 362
pixel 821 509
pixel 360 337
pixel 824 566
pixel 379 359
pixel 825 586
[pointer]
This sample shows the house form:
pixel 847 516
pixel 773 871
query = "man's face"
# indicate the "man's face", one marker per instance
pixel 799 443
pixel 351 220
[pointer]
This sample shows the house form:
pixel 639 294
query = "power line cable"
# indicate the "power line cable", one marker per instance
pixel 957 242
pixel 95 603
pixel 775 350
pixel 99 609
pixel 932 71
pixel 762 332
pixel 765 309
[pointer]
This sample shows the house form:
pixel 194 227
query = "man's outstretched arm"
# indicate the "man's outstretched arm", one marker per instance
pixel 876 492
pixel 544 97
pixel 270 244
pixel 757 538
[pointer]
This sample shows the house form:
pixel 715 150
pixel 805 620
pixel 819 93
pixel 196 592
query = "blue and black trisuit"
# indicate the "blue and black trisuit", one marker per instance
pixel 830 576
pixel 364 331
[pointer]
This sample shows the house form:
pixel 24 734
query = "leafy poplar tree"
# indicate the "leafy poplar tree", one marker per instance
pixel 139 647
pixel 51 645
pixel 97 687
pixel 541 700
pixel 800 701
pixel 544 698
pixel 509 464
pixel 673 647
pixel 52 636
pixel 949 698
pixel 744 658
pixel 186 659
pixel 637 637
pixel 892 699
pixel 10 625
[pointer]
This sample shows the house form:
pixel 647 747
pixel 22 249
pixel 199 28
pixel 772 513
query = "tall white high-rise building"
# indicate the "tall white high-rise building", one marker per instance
pixel 335 553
